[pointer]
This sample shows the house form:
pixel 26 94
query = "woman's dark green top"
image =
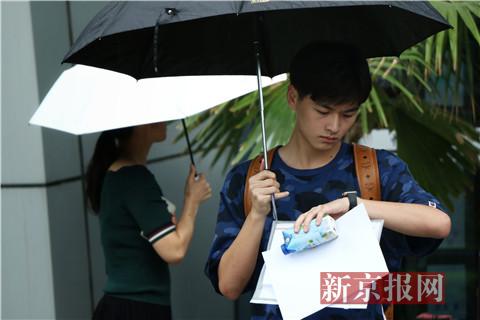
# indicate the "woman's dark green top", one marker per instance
pixel 133 215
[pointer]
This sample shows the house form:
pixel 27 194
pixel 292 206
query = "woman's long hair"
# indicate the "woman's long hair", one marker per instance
pixel 107 150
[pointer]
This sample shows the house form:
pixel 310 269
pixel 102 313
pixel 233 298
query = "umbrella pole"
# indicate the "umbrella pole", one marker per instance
pixel 189 146
pixel 262 119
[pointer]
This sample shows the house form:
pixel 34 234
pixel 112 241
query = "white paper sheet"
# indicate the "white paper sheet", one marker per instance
pixel 264 293
pixel 377 225
pixel 295 278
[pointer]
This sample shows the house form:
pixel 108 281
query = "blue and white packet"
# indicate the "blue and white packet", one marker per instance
pixel 317 235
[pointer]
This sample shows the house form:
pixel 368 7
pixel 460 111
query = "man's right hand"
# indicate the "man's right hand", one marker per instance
pixel 261 187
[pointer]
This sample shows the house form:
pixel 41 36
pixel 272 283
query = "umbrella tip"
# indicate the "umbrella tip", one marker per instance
pixel 171 11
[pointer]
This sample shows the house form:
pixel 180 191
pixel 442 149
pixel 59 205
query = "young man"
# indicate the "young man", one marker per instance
pixel 308 176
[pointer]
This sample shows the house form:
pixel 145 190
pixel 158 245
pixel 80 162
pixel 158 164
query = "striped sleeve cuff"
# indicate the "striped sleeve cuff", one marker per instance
pixel 159 233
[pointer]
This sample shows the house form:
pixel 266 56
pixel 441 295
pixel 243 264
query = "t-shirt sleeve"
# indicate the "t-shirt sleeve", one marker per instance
pixel 398 185
pixel 145 202
pixel 230 219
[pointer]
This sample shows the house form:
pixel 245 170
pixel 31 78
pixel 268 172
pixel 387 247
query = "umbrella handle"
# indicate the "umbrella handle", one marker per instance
pixel 190 148
pixel 262 119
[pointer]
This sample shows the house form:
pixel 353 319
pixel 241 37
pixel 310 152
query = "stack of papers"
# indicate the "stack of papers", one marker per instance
pixel 293 281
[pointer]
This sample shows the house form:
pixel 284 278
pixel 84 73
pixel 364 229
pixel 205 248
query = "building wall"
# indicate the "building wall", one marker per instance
pixel 27 278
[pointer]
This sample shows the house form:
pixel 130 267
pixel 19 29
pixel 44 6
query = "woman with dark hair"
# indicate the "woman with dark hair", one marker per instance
pixel 140 236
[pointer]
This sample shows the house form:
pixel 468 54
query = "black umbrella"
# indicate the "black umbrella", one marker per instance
pixel 173 38
pixel 217 38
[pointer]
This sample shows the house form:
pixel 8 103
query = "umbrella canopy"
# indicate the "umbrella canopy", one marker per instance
pixel 172 38
pixel 87 99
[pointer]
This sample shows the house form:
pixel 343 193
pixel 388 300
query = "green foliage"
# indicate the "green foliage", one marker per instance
pixel 416 95
pixel 437 147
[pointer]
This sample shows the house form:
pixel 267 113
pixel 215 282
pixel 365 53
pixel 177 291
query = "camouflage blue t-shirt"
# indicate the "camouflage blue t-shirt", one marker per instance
pixel 309 188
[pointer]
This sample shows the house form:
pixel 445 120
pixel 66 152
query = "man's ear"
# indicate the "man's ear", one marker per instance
pixel 292 97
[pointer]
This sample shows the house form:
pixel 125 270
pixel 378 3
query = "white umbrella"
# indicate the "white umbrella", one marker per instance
pixel 87 99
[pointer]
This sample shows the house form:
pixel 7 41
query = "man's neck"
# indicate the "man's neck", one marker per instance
pixel 300 154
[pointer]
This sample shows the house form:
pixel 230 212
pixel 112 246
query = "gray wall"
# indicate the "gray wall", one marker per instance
pixel 27 278
pixel 52 262
pixel 68 234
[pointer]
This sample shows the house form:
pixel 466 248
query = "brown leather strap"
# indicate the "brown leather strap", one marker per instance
pixel 253 169
pixel 366 167
pixel 389 312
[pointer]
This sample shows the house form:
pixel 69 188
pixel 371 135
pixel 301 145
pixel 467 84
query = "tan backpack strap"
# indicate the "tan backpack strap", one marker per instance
pixel 366 167
pixel 368 176
pixel 253 169
pixel 389 312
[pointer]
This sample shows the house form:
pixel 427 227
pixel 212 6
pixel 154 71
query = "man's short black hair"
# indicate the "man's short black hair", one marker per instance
pixel 331 74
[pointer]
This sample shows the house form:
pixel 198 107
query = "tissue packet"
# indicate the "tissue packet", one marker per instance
pixel 316 235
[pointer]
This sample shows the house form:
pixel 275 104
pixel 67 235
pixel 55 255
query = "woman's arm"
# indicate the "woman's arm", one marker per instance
pixel 173 247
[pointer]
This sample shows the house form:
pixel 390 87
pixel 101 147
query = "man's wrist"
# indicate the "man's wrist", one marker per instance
pixel 257 217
